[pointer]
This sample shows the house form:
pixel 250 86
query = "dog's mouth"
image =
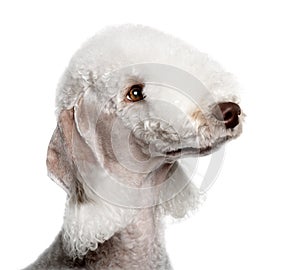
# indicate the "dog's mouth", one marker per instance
pixel 195 152
pixel 189 151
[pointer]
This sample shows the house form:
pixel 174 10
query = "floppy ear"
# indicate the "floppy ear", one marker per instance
pixel 70 135
pixel 59 156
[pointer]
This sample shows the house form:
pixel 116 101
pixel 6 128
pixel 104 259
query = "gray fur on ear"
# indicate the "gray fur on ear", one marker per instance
pixel 61 168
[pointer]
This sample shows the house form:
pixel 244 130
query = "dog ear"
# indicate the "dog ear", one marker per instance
pixel 68 146
pixel 59 155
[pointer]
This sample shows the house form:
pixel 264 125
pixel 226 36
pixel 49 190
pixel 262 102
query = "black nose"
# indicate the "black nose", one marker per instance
pixel 228 113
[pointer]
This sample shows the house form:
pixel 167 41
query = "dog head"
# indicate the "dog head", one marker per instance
pixel 131 103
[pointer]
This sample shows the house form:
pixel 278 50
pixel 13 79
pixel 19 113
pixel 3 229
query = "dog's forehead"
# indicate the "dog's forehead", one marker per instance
pixel 125 45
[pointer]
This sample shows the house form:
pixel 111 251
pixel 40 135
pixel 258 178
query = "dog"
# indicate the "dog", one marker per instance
pixel 132 103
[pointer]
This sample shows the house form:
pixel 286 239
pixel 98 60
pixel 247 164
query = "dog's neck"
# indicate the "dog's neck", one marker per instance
pixel 138 246
pixel 100 233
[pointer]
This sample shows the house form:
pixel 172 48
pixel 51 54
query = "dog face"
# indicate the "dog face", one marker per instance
pixel 144 124
pixel 168 123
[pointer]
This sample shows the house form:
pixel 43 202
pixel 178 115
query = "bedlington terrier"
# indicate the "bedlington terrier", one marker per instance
pixel 131 105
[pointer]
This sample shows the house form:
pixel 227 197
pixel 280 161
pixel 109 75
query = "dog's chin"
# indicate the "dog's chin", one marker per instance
pixel 197 152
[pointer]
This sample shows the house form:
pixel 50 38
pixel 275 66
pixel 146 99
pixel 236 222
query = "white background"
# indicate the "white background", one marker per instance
pixel 251 219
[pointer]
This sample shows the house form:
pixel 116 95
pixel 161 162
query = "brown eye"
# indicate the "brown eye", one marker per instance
pixel 135 93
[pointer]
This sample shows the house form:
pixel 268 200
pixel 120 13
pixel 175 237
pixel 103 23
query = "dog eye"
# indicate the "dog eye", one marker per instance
pixel 135 93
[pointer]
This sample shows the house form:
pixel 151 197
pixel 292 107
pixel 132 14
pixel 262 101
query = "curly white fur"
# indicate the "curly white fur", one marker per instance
pixel 98 234
pixel 87 225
